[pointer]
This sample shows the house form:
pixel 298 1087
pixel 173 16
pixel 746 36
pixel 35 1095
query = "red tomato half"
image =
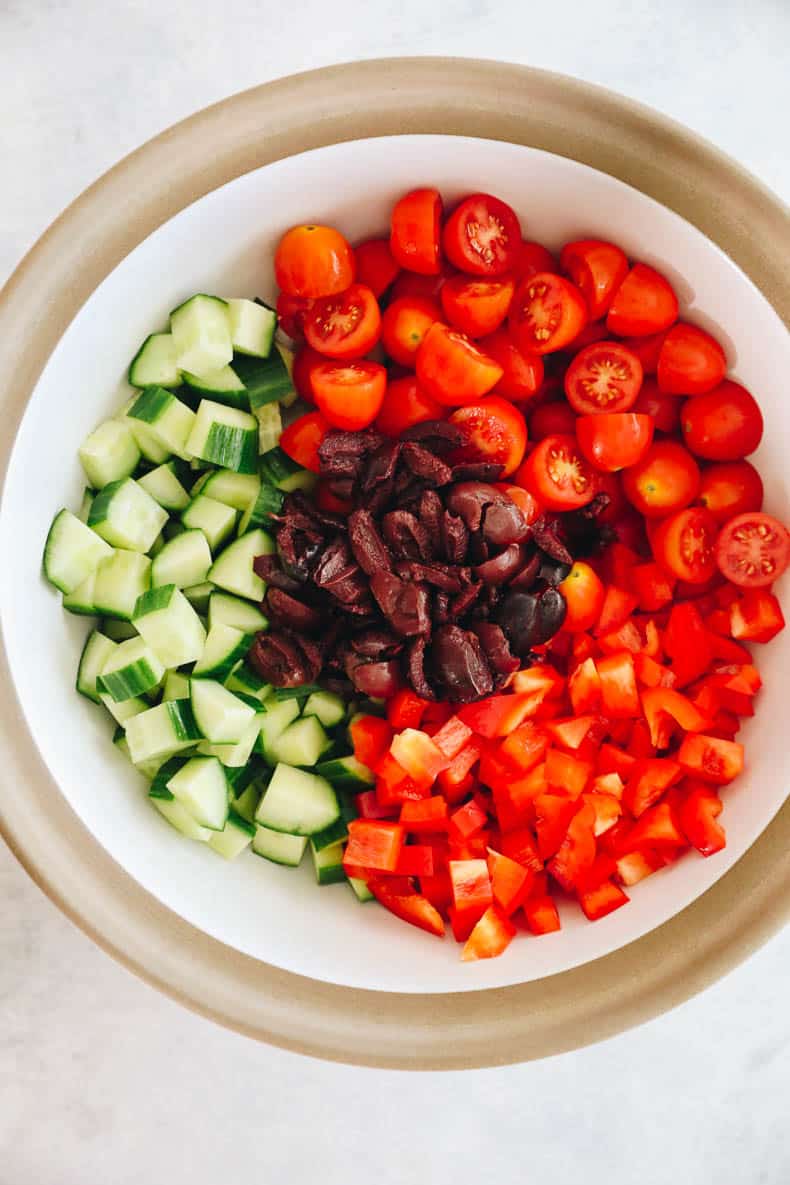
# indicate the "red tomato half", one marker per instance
pixel 305 362
pixel 405 404
pixel 691 362
pixel 614 440
pixel 476 307
pixel 731 488
pixel 552 419
pixel 647 349
pixel 291 312
pixel 414 236
pixel 531 259
pixel 598 269
pixel 584 596
pixel 522 373
pixel 376 266
pixel 604 377
pixel 405 324
pixel 685 544
pixel 556 473
pixel 313 261
pixel 753 550
pixel 482 236
pixel 725 424
pixel 493 431
pixel 665 480
pixel 452 369
pixel 644 303
pixel 663 409
pixel 547 313
pixel 350 394
pixel 344 326
pixel 301 440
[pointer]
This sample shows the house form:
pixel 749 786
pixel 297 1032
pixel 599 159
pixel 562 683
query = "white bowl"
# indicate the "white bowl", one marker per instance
pixel 224 243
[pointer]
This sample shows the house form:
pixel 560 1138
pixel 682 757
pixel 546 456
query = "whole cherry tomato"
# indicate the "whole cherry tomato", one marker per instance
pixel 313 261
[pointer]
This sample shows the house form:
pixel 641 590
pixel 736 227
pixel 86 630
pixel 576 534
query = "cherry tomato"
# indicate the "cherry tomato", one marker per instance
pixel 344 326
pixel 313 261
pixel 529 506
pixel 647 349
pixel 522 373
pixel 584 596
pixel 410 284
pixel 605 377
pixel 405 324
pixel 326 500
pixel 482 236
pixel 594 331
pixel 376 267
pixel 614 440
pixel 724 424
pixel 305 362
pixel 685 544
pixel 531 259
pixel 665 480
pixel 493 431
pixel 731 488
pixel 664 409
pixel 598 269
pixel 301 440
pixel 556 473
pixel 691 362
pixel 753 550
pixel 350 394
pixel 415 232
pixel 452 369
pixel 552 419
pixel 476 307
pixel 618 507
pixel 547 313
pixel 291 312
pixel 644 303
pixel 405 404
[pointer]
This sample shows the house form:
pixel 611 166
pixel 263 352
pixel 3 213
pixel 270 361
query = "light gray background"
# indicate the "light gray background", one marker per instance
pixel 104 1080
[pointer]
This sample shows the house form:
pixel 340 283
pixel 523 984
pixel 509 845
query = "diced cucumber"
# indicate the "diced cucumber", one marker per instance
pixel 162 775
pixel 234 489
pixel 149 445
pixel 176 686
pixel 126 516
pixel 199 596
pixel 179 817
pixel 361 890
pixel 201 334
pixel 277 468
pixel 233 571
pixel 301 743
pixel 164 487
pixel 168 419
pixel 170 626
pixel 346 773
pixel 236 835
pixel 337 832
pixel 259 512
pixel 197 486
pixel 279 848
pixel 201 788
pixel 223 648
pixel 238 755
pixel 277 718
pixel 117 629
pixel 95 653
pixel 267 380
pixel 240 777
pixel 224 609
pixel 110 453
pixel 85 504
pixel 121 579
pixel 183 561
pixel 297 802
pixel 82 600
pixel 162 731
pixel 157 544
pixel 154 364
pixel 247 802
pixel 328 707
pixel 270 426
pixel 225 436
pixel 252 327
pixel 72 552
pixel 130 670
pixel 243 678
pixel 215 519
pixel 328 864
pixel 223 385
pixel 221 717
pixel 123 712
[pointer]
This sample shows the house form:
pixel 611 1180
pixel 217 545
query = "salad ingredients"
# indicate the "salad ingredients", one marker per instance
pixel 482 236
pixel 313 261
pixel 603 377
pixel 546 314
pixel 723 425
pixel 416 226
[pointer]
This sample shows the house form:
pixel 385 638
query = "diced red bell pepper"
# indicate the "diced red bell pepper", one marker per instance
pixel 619 692
pixel 607 810
pixel 526 746
pixel 635 866
pixel 553 814
pixel 541 915
pixel 726 650
pixel 418 755
pixel 369 807
pixel 724 725
pixel 627 637
pixel 597 903
pixel 474 848
pixel 617 566
pixel 698 814
pixel 584 687
pixel 577 851
pixel 651 673
pixel 658 702
pixel 566 772
pixel 650 778
pixel 651 647
pixel 570 732
pixel 521 846
pixel 429 815
pixel 437 888
pixel 583 647
pixel 612 760
pixel 467 821
pixel 471 886
pixel 601 869
pixel 652 586
pixel 710 758
pixel 406 709
pixel 415 860
pixel 757 616
pixel 498 715
pixel 452 780
pixel 742 677
pixel 393 784
pixel 514 799
pixel 410 907
pixel 373 844
pixel 618 605
pixel 452 737
pixel 490 937
pixel 436 716
pixel 687 643
pixel 510 882
pixel 717 622
pixel 540 678
pixel 657 828
pixel 640 742
pixel 616 841
pixel 608 784
pixel 726 594
pixel 496 768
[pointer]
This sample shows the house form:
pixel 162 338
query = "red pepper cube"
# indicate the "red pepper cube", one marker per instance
pixel 757 616
pixel 597 903
pixel 540 678
pixel 607 810
pixel 471 888
pixel 687 642
pixel 521 846
pixel 393 784
pixel 510 882
pixel 651 673
pixel 541 915
pixel 617 566
pixel 406 709
pixel 726 650
pixel 627 637
pixel 425 817
pixel 553 814
pixel 565 772
pixel 577 851
pixel 418 755
pixel 467 821
pixel 652 586
pixel 584 688
pixel 640 742
pixel 370 737
pixel 611 784
pixel 612 760
pixel 657 828
pixel 498 715
pixel 373 844
pixel 710 758
pixel 514 800
pixel 457 772
pixel 492 935
pixel 452 737
pixel 650 778
pixel 660 702
pixel 697 816
pixel 618 605
pixel 635 866
pixel 526 746
pixel 407 905
pixel 618 685
pixel 570 732
pixel 369 806
pixel 415 860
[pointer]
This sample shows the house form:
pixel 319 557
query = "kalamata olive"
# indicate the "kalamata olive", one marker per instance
pixel 517 614
pixel 497 650
pixel 468 499
pixel 287 610
pixel 504 523
pixel 378 679
pixel 458 665
pixel 552 608
pixel 553 571
pixel 284 660
pixel 504 565
pixel 528 574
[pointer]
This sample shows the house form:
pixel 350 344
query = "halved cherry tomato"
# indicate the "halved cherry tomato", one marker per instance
pixel 753 550
pixel 482 236
pixel 477 307
pixel 547 312
pixel 723 425
pixel 415 231
pixel 664 409
pixel 556 473
pixel 533 258
pixel 452 369
pixel 598 269
pixel 685 544
pixel 731 488
pixel 584 594
pixel 291 312
pixel 493 431
pixel 522 373
pixel 305 362
pixel 405 403
pixel 666 479
pixel 345 326
pixel 529 506
pixel 604 377
pixel 350 394
pixel 644 303
pixel 647 349
pixel 691 362
pixel 313 261
pixel 552 419
pixel 405 324
pixel 614 440
pixel 301 440
pixel 376 266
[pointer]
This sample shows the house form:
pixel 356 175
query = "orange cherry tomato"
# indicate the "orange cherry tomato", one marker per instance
pixel 415 231
pixel 724 424
pixel 406 404
pixel 584 594
pixel 685 544
pixel 614 440
pixel 313 261
pixel 522 374
pixel 301 440
pixel 663 409
pixel 476 307
pixel 753 550
pixel 529 506
pixel 305 362
pixel 730 488
pixel 291 312
pixel 665 480
pixel 532 258
pixel 493 431
pixel 452 369
pixel 647 349
pixel 482 236
pixel 691 362
pixel 604 377
pixel 405 324
pixel 344 326
pixel 598 269
pixel 547 313
pixel 376 267
pixel 644 303
pixel 350 394
pixel 556 473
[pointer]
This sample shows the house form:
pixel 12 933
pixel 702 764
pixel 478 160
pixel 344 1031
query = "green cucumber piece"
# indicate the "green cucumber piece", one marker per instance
pixel 109 454
pixel 154 364
pixel 170 625
pixel 297 802
pixel 72 552
pixel 201 334
pixel 201 788
pixel 346 773
pixel 95 653
pixel 183 561
pixel 126 516
pixel 328 707
pixel 223 648
pixel 301 743
pixel 328 864
pixel 235 837
pixel 215 519
pixel 279 848
pixel 233 570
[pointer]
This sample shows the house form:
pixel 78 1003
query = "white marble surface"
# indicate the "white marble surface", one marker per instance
pixel 102 1079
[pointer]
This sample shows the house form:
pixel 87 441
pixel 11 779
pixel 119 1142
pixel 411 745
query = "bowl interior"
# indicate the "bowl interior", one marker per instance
pixel 225 243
